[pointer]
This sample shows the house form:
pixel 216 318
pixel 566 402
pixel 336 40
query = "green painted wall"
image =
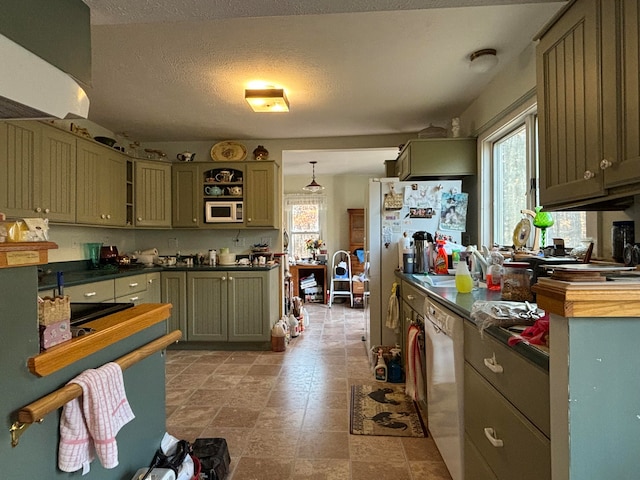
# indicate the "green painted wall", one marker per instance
pixel 36 455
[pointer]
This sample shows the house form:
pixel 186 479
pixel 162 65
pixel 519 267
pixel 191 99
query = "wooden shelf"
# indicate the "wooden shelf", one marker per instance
pixel 20 254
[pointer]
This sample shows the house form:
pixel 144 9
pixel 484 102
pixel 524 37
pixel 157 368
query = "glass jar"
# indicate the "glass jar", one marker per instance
pixel 516 282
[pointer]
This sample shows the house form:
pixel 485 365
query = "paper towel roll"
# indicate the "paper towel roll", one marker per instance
pixel 150 251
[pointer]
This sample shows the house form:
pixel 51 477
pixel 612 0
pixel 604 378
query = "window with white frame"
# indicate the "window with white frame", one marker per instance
pixel 509 183
pixel 305 220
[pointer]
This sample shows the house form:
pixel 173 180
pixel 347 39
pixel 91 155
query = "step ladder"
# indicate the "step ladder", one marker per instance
pixel 341 282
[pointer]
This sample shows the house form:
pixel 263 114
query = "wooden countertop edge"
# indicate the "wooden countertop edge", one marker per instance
pixel 588 300
pixel 20 246
pixel 108 330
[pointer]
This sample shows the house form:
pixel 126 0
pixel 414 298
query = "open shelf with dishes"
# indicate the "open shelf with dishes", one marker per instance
pixel 223 183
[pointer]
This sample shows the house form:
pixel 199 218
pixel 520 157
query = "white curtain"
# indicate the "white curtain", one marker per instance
pixel 304 199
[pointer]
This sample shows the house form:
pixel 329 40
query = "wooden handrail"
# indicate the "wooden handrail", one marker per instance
pixel 36 411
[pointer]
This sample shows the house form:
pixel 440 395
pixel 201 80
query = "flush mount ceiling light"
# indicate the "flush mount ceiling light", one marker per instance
pixel 483 60
pixel 267 100
pixel 314 186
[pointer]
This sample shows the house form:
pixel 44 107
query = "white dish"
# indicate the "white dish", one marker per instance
pixel 592 267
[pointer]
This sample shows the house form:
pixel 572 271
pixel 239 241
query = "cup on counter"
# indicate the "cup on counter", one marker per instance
pixel 262 260
pixel 244 261
pixel 171 261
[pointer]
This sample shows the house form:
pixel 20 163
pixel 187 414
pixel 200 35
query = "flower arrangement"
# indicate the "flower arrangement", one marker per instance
pixel 314 244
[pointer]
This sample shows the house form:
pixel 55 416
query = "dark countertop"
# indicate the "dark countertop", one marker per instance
pixel 79 273
pixel 461 303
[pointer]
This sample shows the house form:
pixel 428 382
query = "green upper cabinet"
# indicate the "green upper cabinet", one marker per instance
pixel 187 199
pixel 262 205
pixel 38 170
pixel 588 92
pixel 101 187
pixel 437 158
pixel 152 194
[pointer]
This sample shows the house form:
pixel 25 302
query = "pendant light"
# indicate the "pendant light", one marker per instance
pixel 314 186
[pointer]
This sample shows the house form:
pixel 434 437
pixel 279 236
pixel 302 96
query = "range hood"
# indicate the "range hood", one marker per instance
pixel 32 88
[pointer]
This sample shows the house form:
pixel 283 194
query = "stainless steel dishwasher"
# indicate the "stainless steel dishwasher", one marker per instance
pixel 444 378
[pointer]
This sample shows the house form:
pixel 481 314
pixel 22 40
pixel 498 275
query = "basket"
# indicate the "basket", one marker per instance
pixel 54 310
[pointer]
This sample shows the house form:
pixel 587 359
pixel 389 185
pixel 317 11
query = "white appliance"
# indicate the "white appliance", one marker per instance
pixel 384 228
pixel 444 346
pixel 223 211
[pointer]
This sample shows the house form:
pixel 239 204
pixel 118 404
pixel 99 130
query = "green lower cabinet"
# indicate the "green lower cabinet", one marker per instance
pixel 174 291
pixel 231 306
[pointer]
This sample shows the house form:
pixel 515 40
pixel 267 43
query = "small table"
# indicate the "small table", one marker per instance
pixel 304 270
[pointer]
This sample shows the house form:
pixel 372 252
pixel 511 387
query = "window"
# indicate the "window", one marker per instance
pixel 509 185
pixel 304 221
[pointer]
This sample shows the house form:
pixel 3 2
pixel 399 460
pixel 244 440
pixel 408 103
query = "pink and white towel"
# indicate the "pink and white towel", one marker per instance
pixel 89 427
pixel 414 385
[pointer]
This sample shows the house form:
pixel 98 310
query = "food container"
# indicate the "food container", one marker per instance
pixel 516 282
pixel 227 258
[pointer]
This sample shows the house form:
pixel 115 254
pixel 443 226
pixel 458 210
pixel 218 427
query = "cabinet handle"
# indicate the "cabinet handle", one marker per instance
pixel 588 174
pixel 38 210
pixel 133 299
pixel 131 285
pixel 150 281
pixel 108 216
pixel 90 294
pixel 194 220
pixel 230 279
pixel 224 278
pixel 103 216
pixel 604 164
pixel 490 433
pixel 249 219
pixel 410 297
pixel 46 210
pixel 493 365
pixel 139 219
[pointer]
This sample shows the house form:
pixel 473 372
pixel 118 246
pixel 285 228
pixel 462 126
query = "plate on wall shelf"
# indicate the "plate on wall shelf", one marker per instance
pixel 228 152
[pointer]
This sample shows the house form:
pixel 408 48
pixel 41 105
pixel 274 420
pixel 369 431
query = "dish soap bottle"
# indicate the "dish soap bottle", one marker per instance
pixel 441 265
pixel 464 282
pixel 381 368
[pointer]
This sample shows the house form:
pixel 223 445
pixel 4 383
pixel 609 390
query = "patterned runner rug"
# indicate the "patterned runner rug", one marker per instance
pixel 384 410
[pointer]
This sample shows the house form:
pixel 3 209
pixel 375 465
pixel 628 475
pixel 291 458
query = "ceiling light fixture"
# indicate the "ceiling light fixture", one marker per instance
pixel 314 186
pixel 267 100
pixel 483 60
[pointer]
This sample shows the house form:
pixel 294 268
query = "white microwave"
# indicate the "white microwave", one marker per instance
pixel 221 211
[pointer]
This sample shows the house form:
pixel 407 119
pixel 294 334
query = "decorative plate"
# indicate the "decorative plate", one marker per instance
pixel 228 152
pixel 521 233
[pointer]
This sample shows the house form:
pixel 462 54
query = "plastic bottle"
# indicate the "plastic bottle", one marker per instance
pixel 464 282
pixel 381 368
pixel 495 271
pixel 442 260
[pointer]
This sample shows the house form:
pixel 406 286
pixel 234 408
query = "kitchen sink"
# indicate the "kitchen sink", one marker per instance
pixel 436 280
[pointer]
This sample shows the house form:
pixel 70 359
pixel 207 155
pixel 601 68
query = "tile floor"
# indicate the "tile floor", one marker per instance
pixel 286 415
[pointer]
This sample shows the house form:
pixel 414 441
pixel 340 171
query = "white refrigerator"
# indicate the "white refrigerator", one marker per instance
pixel 422 206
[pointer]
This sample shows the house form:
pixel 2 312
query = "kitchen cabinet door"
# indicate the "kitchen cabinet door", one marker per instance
pixel 569 107
pixel 209 305
pixel 437 157
pixel 154 291
pixel 152 194
pixel 174 291
pixel 187 208
pixel 262 205
pixel 101 185
pixel 38 170
pixel 621 90
pixel 251 309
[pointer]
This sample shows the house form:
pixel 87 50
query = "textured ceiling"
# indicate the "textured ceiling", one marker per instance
pixel 176 71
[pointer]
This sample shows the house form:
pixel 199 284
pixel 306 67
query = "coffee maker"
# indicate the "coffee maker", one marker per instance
pixel 423 244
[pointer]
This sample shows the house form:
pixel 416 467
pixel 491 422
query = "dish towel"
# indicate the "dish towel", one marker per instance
pixel 393 310
pixel 414 386
pixel 89 424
